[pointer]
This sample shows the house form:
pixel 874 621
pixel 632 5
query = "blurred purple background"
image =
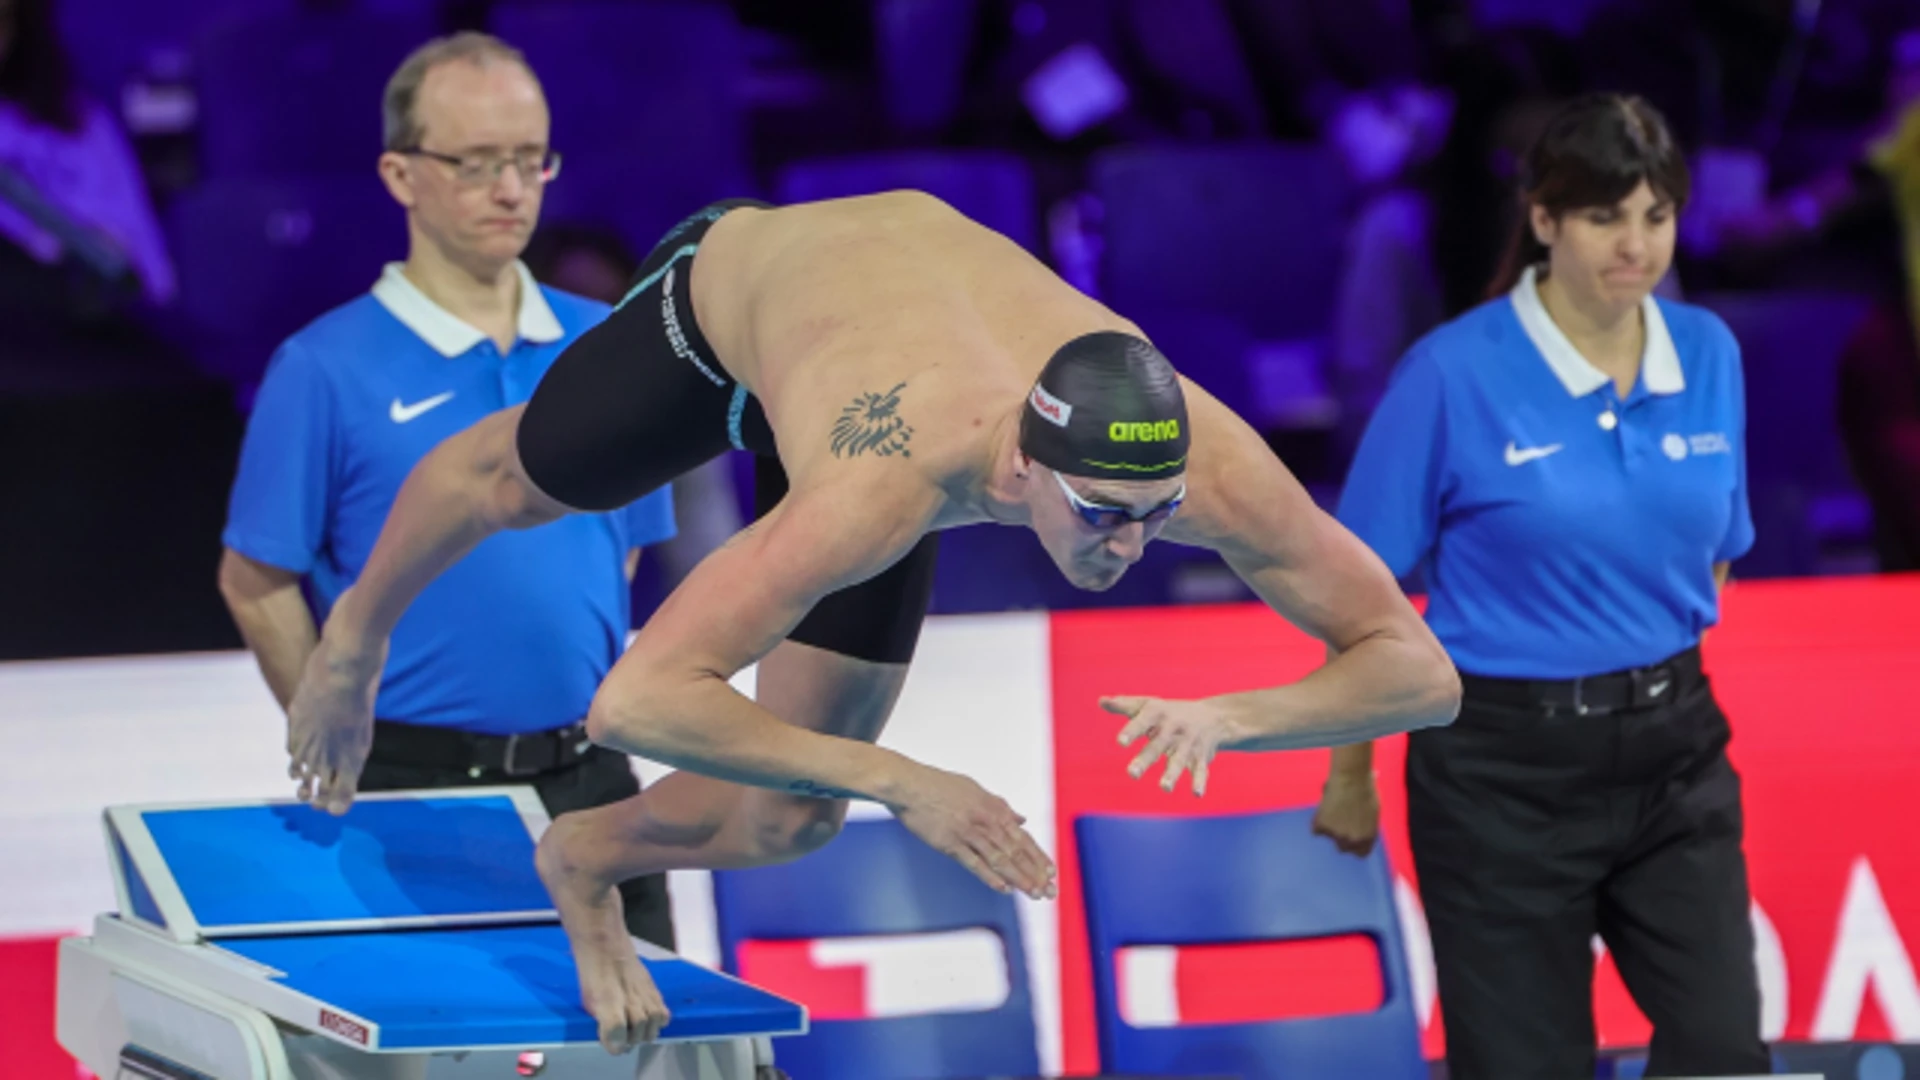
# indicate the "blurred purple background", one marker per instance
pixel 1284 193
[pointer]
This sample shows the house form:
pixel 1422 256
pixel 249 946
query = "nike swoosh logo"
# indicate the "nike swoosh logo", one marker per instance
pixel 1517 456
pixel 403 413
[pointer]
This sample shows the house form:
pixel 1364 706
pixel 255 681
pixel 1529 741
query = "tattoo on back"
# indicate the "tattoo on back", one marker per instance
pixel 872 424
pixel 820 791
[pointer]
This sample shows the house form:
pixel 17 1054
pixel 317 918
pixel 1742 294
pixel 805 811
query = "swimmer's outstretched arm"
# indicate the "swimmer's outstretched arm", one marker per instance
pixel 468 488
pixel 669 699
pixel 1386 673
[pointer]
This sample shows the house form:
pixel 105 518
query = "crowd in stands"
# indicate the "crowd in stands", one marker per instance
pixel 1289 193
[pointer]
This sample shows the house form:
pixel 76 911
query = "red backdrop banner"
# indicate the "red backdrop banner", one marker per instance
pixel 1820 680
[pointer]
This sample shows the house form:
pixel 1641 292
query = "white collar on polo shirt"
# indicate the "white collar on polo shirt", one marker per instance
pixel 1659 362
pixel 450 335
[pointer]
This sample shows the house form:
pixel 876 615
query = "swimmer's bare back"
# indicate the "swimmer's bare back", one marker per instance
pixel 893 326
pixel 843 316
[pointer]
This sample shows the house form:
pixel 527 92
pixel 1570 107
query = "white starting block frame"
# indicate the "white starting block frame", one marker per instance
pixel 409 940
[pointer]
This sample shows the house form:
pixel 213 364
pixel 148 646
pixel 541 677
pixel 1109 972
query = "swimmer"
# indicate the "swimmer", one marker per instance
pixel 900 370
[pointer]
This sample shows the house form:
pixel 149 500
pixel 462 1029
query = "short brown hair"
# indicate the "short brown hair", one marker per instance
pixel 1594 152
pixel 400 127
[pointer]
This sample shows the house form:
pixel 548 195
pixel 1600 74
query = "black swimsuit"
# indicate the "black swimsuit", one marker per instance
pixel 641 398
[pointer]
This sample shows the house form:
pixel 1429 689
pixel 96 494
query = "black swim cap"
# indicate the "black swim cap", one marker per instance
pixel 1109 406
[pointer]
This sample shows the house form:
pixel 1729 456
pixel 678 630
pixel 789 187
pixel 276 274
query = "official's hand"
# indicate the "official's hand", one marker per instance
pixel 1349 813
pixel 330 725
pixel 1186 733
pixel 963 820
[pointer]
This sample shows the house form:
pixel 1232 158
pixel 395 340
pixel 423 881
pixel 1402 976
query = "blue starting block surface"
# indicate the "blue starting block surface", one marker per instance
pixel 414 922
pixel 494 986
pixel 423 860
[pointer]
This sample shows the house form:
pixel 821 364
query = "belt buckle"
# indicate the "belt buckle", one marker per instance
pixel 1581 707
pixel 508 763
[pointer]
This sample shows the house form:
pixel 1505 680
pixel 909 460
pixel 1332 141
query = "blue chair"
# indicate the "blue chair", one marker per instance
pixel 298 92
pixel 260 258
pixel 111 41
pixel 1253 231
pixel 656 80
pixel 1804 499
pixel 993 188
pixel 877 878
pixel 632 195
pixel 1244 878
pixel 921 50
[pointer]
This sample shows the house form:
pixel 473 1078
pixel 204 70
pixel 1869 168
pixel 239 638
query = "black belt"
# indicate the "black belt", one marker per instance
pixel 526 754
pixel 1634 688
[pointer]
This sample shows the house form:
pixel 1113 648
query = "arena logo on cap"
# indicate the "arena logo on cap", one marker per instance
pixel 1143 431
pixel 1052 408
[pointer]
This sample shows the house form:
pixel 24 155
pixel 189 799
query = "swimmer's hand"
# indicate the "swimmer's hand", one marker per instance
pixel 976 828
pixel 1186 733
pixel 1349 812
pixel 330 723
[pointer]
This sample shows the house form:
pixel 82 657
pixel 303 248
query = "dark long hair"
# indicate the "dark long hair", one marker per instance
pixel 1594 152
pixel 35 71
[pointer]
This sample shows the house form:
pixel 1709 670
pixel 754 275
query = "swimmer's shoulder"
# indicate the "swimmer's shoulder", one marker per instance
pixel 961 416
pixel 879 205
pixel 851 217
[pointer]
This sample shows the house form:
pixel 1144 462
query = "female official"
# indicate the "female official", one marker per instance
pixel 1566 465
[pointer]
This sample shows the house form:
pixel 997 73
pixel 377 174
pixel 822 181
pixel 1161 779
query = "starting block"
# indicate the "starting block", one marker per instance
pixel 409 940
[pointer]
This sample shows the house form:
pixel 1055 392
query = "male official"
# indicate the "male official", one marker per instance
pixel 490 675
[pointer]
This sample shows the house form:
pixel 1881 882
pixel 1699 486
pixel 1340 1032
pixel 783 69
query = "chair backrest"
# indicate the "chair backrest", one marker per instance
pixel 298 92
pixel 259 258
pixel 1207 347
pixel 1253 231
pixel 877 878
pixel 921 52
pixel 993 188
pixel 1790 345
pixel 657 80
pixel 631 194
pixel 111 41
pixel 1242 878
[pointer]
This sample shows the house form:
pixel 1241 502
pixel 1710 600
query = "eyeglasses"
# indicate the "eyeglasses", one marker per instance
pixel 1101 516
pixel 474 170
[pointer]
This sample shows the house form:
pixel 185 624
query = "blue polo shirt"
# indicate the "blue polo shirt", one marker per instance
pixel 1561 529
pixel 517 635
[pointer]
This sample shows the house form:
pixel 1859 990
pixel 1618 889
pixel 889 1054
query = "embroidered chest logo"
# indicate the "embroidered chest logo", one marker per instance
pixel 401 414
pixel 1709 442
pixel 1516 456
pixel 872 424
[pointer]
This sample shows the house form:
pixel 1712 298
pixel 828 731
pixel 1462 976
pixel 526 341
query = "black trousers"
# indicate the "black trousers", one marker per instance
pixel 1532 832
pixel 602 777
